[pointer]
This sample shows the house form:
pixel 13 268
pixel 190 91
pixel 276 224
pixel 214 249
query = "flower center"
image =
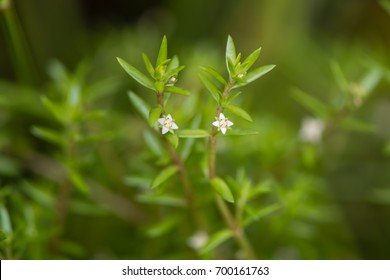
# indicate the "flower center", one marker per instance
pixel 167 123
pixel 223 123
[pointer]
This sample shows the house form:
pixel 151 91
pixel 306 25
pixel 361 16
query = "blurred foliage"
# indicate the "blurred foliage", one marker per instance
pixel 77 160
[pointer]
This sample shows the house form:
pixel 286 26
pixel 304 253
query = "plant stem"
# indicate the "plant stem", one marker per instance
pixel 182 172
pixel 233 224
pixel 16 42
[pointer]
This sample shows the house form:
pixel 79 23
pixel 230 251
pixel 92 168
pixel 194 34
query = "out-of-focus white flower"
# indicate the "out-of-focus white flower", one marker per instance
pixel 311 130
pixel 222 123
pixel 198 239
pixel 167 123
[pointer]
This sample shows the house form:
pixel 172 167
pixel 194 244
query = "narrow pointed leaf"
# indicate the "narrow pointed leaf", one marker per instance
pixel 166 200
pixel 162 54
pixel 154 115
pixel 148 64
pixel 193 133
pixel 222 189
pixel 239 112
pixel 339 77
pixel 136 74
pixel 6 226
pixel 173 72
pixel 309 102
pixel 173 139
pixel 163 176
pixel 255 215
pixel 138 182
pixel 189 143
pixel 251 59
pixel 230 51
pixel 371 80
pixel 215 93
pixel 47 134
pixel 357 125
pixel 232 96
pixel 176 90
pixel 173 64
pixel 255 74
pixel 54 109
pixel 141 106
pixel 241 132
pixel 214 74
pixel 215 240
pixel 163 227
pixel 78 181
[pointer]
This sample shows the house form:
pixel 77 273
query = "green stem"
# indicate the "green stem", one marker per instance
pixel 182 172
pixel 228 217
pixel 18 48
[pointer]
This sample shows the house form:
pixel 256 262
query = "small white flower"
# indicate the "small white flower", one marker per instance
pixel 167 123
pixel 222 123
pixel 311 130
pixel 197 240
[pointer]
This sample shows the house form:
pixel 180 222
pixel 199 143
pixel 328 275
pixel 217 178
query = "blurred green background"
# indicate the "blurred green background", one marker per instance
pixel 334 195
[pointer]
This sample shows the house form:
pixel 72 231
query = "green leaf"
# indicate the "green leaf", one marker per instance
pixel 215 93
pixel 371 80
pixel 148 64
pixel 49 135
pixel 173 64
pixel 78 181
pixel 136 74
pixel 141 106
pixel 230 53
pixel 163 52
pixel 164 175
pixel 5 224
pixel 222 188
pixel 357 125
pixel 260 213
pixel 189 143
pixel 193 133
pixel 163 227
pixel 54 109
pixel 239 112
pixel 176 90
pixel 74 96
pixel 166 200
pixel 136 181
pixel 232 96
pixel 154 115
pixel 214 74
pixel 153 143
pixel 173 139
pixel 241 132
pixel 215 240
pixel 255 74
pixel 339 76
pixel 172 73
pixel 310 103
pixel 251 59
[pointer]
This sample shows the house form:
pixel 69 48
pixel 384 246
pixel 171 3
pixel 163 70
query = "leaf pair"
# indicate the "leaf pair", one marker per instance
pixel 238 71
pixel 163 75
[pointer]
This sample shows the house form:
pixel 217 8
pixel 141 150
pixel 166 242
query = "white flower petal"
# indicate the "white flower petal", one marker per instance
pixel 169 117
pixel 174 126
pixel 161 121
pixel 229 123
pixel 223 129
pixel 216 123
pixel 164 130
pixel 221 116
